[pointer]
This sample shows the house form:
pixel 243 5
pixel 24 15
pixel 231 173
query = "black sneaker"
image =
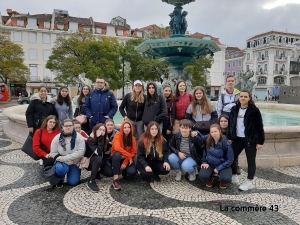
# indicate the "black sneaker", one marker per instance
pixel 93 186
pixel 59 185
pixel 157 178
pixel 238 170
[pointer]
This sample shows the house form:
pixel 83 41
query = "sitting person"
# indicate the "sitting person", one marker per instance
pixel 123 153
pixel 77 127
pixel 68 147
pixel 111 132
pixel 187 151
pixel 218 159
pixel 43 137
pixel 153 152
pixel 97 147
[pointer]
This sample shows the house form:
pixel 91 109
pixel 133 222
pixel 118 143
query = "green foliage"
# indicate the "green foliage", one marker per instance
pixel 81 53
pixel 198 70
pixel 12 65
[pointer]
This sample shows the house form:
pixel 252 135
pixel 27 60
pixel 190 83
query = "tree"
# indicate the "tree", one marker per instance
pixel 12 65
pixel 82 52
pixel 197 70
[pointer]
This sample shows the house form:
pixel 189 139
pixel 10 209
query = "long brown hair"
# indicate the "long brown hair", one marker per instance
pixel 138 97
pixel 45 121
pixel 210 140
pixel 148 139
pixel 177 93
pixel 61 99
pixel 127 140
pixel 205 103
pixel 171 97
pixel 251 102
pixel 81 95
pixel 219 120
pixel 94 138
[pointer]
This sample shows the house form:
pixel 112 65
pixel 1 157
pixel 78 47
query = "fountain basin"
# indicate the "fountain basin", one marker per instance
pixel 281 148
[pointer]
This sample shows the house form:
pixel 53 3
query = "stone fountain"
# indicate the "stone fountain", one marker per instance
pixel 178 49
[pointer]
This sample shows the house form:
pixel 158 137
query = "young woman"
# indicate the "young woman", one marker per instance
pixel 123 153
pixel 77 127
pixel 245 131
pixel 182 101
pixel 223 123
pixel 153 152
pixel 228 98
pixel 187 151
pixel 63 105
pixel 68 147
pixel 218 159
pixel 111 132
pixel 39 108
pixel 80 109
pixel 155 107
pixel 97 148
pixel 171 110
pixel 43 137
pixel 132 107
pixel 201 112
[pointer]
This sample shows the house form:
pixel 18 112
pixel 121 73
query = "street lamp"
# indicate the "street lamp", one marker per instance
pixel 123 91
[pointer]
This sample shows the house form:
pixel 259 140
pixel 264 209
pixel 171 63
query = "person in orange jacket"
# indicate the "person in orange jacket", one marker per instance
pixel 123 153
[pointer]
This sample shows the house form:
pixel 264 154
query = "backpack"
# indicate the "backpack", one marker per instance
pixel 223 100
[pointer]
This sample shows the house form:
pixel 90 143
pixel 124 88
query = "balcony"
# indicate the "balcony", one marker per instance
pixel 34 79
pixel 295 59
pixel 279 84
pixel 280 58
pixel 281 72
pixel 261 72
pixel 261 84
pixel 47 79
pixel 261 59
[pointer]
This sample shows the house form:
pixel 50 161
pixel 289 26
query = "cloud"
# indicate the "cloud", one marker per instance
pixel 279 3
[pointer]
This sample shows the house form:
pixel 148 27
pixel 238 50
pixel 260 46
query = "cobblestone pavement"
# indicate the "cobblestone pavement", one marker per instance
pixel 25 197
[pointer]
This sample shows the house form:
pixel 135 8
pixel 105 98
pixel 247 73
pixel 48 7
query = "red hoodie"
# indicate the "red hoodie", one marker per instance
pixel 118 146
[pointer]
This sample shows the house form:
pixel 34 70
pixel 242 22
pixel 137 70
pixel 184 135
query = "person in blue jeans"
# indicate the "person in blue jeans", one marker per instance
pixel 68 147
pixel 218 159
pixel 187 151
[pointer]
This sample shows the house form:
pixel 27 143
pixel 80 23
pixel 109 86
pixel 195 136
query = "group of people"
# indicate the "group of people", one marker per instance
pixel 181 131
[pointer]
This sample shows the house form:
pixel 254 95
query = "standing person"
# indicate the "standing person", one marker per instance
pixel 153 152
pixel 171 110
pixel 182 101
pixel 245 131
pixel 68 147
pixel 63 105
pixel 201 112
pixel 223 123
pixel 123 153
pixel 101 103
pixel 218 159
pixel 39 108
pixel 134 103
pixel 229 97
pixel 187 149
pixel 43 137
pixel 80 109
pixel 155 107
pixel 96 150
pixel 111 132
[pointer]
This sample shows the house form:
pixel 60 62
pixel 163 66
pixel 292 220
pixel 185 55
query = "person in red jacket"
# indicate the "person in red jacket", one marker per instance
pixel 123 153
pixel 182 101
pixel 43 137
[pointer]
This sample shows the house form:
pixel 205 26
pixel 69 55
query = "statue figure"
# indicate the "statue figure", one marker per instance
pixel 245 82
pixel 84 81
pixel 171 22
pixel 184 24
pixel 177 21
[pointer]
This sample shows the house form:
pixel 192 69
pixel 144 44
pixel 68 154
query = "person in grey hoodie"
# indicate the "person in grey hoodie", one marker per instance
pixel 67 148
pixel 63 105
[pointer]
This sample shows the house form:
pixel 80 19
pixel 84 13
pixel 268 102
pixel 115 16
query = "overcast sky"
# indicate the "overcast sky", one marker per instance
pixel 232 21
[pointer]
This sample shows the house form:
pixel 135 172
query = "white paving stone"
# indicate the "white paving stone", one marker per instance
pixel 17 157
pixel 10 174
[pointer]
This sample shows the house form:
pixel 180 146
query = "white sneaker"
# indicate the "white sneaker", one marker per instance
pixel 41 162
pixel 178 175
pixel 192 176
pixel 235 179
pixel 247 185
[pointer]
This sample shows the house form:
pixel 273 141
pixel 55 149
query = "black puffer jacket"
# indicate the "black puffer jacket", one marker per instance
pixel 197 146
pixel 134 110
pixel 92 146
pixel 254 128
pixel 38 110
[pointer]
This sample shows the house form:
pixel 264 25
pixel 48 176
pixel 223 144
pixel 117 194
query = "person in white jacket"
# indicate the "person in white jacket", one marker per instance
pixel 67 148
pixel 228 98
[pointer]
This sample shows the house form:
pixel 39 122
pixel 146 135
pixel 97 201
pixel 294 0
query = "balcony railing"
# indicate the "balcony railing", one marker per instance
pixel 261 84
pixel 265 58
pixel 261 72
pixel 280 57
pixel 47 79
pixel 34 79
pixel 279 84
pixel 282 72
pixel 295 59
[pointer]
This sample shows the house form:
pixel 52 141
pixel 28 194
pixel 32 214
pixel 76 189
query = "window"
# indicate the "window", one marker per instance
pixel 233 64
pixel 240 63
pixel 46 39
pixel 266 53
pixel 217 65
pixel 32 54
pixel 262 80
pixel 248 55
pixel 87 29
pixel 47 25
pixel 32 37
pixel 279 80
pixel 120 32
pixel 229 64
pixel 18 36
pixel 233 73
pixel 276 67
pixel 33 73
pixel 31 22
pixel 99 30
pixel 20 23
pixel 47 75
pixel 73 26
pixel 266 68
pixel 60 26
pixel 247 67
pixel 46 54
pixel 277 53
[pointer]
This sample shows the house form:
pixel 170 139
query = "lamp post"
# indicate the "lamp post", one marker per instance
pixel 123 91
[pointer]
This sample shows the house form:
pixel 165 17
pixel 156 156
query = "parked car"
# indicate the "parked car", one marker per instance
pixel 212 98
pixel 25 100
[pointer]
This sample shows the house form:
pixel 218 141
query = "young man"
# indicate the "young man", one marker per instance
pixel 101 103
pixel 228 98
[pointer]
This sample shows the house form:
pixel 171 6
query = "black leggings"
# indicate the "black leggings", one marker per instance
pixel 224 175
pixel 157 167
pixel 97 163
pixel 117 160
pixel 238 145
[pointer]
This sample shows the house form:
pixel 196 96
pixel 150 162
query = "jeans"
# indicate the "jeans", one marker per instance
pixel 225 175
pixel 157 167
pixel 138 127
pixel 187 165
pixel 72 171
pixel 117 160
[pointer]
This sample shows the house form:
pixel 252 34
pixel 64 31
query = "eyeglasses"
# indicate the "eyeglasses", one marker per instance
pixel 99 82
pixel 68 126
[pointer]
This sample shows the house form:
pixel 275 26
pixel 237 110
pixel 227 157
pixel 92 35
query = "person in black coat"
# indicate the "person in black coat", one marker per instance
pixel 245 131
pixel 171 113
pixel 40 107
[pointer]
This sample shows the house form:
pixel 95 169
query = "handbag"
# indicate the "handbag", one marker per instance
pixel 50 174
pixel 81 118
pixel 42 146
pixel 28 148
pixel 84 162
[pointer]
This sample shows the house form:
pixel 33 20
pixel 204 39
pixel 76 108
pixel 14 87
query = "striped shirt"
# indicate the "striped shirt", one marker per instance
pixel 185 147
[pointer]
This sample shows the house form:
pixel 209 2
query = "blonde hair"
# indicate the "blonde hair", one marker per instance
pixel 137 97
pixel 205 103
